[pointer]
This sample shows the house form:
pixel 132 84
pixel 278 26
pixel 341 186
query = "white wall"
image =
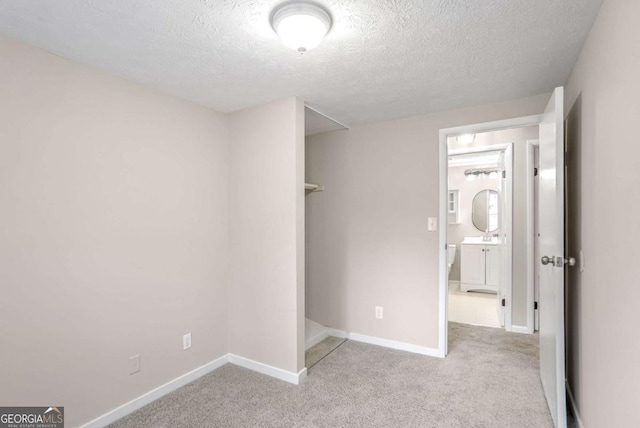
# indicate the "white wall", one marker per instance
pixel 367 238
pixel 603 98
pixel 113 239
pixel 266 232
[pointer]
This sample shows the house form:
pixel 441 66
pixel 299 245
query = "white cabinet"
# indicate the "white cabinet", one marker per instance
pixel 453 206
pixel 479 267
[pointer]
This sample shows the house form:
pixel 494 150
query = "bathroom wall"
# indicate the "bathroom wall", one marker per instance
pixel 367 238
pixel 518 136
pixel 468 190
pixel 113 239
pixel 603 105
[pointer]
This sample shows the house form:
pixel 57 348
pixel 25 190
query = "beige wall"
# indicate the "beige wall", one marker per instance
pixel 603 98
pixel 113 239
pixel 266 215
pixel 367 238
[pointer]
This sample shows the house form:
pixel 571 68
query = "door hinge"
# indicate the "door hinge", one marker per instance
pixel 504 174
pixel 504 302
pixel 535 306
pixel 535 172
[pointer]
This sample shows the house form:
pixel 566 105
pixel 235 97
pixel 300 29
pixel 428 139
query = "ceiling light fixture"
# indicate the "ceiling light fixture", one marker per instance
pixel 466 138
pixel 301 26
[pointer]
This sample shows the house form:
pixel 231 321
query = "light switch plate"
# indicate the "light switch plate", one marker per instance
pixel 186 341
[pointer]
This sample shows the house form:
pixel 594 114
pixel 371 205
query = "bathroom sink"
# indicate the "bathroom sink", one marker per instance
pixel 478 240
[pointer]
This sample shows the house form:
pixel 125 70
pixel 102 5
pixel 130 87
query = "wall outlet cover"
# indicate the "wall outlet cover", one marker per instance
pixel 186 341
pixel 379 312
pixel 134 364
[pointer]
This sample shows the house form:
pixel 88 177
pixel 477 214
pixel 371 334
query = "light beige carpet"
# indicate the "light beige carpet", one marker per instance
pixel 321 350
pixel 489 379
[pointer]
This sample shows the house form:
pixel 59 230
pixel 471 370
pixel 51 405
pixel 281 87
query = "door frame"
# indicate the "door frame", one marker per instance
pixel 531 234
pixel 444 134
pixel 507 220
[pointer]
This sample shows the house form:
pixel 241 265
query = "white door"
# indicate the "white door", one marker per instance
pixel 551 215
pixel 492 263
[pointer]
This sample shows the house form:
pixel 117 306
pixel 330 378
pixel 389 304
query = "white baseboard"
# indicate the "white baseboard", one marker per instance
pixel 423 350
pixel 313 341
pixel 522 329
pixel 574 408
pixel 291 377
pixel 454 282
pixel 338 333
pixel 144 399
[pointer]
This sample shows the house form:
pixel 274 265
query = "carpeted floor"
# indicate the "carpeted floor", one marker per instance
pixel 489 379
pixel 321 350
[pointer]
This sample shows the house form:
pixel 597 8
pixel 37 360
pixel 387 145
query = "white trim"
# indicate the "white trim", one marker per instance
pixel 291 377
pixel 442 209
pixel 574 408
pixel 522 329
pixel 338 333
pixel 313 341
pixel 443 271
pixel 402 346
pixel 479 149
pixel 148 397
pixel 507 276
pixel 141 401
pixel 454 282
pixel 531 144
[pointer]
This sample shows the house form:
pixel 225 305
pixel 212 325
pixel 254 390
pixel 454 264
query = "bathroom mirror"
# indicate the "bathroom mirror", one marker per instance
pixel 484 211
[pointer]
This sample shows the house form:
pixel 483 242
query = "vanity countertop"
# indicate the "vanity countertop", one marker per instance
pixel 477 240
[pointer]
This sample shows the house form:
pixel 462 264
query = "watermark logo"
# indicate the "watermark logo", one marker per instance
pixel 32 417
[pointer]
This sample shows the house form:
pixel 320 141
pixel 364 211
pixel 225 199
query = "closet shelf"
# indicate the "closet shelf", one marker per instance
pixel 310 187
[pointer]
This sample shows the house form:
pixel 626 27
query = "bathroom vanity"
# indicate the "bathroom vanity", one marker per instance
pixel 480 264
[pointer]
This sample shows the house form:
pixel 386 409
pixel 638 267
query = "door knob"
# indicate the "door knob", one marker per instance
pixel 558 261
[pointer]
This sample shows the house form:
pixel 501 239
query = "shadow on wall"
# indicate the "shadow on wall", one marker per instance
pixel 574 244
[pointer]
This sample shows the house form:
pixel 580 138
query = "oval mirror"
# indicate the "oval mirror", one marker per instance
pixel 484 211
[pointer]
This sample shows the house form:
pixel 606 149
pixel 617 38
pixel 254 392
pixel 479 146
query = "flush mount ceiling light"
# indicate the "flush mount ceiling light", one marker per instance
pixel 466 138
pixel 300 26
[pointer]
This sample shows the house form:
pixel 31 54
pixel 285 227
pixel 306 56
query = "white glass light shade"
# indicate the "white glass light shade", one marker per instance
pixel 301 26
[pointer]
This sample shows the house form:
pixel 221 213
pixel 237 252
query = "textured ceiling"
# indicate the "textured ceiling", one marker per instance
pixel 381 60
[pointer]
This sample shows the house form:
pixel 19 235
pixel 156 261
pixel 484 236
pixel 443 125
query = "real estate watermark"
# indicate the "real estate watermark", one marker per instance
pixel 32 417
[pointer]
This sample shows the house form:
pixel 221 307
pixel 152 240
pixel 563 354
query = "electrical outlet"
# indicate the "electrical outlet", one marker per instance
pixel 186 341
pixel 379 312
pixel 134 364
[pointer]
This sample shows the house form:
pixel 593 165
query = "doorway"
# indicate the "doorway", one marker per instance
pixel 520 292
pixel 551 215
pixel 479 227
